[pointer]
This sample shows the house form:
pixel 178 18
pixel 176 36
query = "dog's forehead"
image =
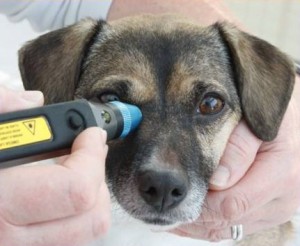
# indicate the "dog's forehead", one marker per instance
pixel 150 53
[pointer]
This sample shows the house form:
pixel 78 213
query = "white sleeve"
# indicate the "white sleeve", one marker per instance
pixel 48 14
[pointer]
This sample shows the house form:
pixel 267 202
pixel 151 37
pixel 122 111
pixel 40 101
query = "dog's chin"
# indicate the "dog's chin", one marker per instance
pixel 164 223
pixel 158 221
pixel 158 224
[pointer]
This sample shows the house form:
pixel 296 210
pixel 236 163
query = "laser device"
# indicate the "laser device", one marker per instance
pixel 49 131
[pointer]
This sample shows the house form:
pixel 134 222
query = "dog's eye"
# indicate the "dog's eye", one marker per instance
pixel 108 97
pixel 211 104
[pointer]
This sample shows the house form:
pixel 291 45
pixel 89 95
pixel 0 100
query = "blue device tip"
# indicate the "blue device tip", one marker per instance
pixel 132 117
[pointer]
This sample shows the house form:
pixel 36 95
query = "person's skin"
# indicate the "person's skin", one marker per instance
pixel 71 218
pixel 262 187
pixel 65 204
pixel 263 183
pixel 205 12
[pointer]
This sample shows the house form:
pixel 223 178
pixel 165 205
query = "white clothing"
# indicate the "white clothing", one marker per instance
pixel 53 14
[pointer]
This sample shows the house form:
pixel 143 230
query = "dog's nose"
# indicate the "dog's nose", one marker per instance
pixel 162 191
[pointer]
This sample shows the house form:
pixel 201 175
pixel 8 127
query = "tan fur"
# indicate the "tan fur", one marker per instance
pixel 219 142
pixel 183 80
pixel 84 61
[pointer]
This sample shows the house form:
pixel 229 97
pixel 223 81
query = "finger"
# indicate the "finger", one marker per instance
pixel 238 156
pixel 16 100
pixel 275 212
pixel 199 232
pixel 273 232
pixel 253 191
pixel 71 231
pixel 260 219
pixel 88 152
pixel 31 194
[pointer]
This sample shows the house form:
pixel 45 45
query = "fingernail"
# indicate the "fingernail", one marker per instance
pixel 32 96
pixel 220 176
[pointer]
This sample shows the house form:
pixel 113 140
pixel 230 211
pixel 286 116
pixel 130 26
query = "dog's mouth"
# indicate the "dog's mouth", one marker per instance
pixel 139 206
pixel 170 219
pixel 161 224
pixel 158 221
pixel 158 193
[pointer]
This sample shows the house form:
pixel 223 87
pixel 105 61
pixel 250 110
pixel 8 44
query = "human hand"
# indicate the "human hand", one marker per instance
pixel 64 204
pixel 257 183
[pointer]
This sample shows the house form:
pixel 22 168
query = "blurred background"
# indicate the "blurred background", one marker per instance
pixel 277 21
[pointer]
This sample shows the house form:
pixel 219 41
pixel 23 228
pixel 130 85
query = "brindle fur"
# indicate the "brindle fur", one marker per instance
pixel 165 65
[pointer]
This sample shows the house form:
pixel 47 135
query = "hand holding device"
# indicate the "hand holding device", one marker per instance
pixel 49 131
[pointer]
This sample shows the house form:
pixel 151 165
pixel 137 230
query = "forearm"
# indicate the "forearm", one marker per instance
pixel 48 15
pixel 202 11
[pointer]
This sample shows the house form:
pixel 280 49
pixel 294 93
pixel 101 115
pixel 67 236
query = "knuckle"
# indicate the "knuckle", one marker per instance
pixel 220 224
pixel 215 236
pixel 234 207
pixel 81 194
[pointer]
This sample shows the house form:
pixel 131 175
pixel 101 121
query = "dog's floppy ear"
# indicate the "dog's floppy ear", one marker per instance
pixel 52 62
pixel 264 79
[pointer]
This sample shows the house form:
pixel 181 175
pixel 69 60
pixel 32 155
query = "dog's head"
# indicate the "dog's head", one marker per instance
pixel 193 84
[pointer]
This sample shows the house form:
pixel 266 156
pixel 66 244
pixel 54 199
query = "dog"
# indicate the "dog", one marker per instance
pixel 193 85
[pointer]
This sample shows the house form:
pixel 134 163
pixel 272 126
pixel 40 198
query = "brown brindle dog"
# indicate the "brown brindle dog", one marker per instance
pixel 193 84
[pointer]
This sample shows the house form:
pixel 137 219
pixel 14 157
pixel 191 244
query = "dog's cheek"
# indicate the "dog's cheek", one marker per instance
pixel 221 138
pixel 123 162
pixel 118 160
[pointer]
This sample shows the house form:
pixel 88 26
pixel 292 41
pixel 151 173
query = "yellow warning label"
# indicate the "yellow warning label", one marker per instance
pixel 30 125
pixel 24 132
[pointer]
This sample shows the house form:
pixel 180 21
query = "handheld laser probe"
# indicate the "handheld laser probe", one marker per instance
pixel 49 131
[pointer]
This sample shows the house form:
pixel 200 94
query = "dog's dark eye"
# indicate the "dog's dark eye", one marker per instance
pixel 211 104
pixel 108 97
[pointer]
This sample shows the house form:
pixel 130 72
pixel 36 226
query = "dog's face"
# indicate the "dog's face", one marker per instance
pixel 192 85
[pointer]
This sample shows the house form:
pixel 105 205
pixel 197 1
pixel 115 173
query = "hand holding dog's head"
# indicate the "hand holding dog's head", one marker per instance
pixel 192 84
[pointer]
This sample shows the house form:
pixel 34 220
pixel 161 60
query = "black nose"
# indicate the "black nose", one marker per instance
pixel 162 191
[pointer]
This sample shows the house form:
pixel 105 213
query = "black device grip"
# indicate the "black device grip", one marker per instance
pixel 64 120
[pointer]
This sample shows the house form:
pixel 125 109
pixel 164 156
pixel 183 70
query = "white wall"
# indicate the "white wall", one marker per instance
pixel 13 36
pixel 277 21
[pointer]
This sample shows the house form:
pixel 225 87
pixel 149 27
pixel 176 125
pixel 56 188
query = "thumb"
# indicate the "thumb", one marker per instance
pixel 88 155
pixel 237 158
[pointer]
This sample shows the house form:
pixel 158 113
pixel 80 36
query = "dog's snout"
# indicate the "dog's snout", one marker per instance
pixel 162 191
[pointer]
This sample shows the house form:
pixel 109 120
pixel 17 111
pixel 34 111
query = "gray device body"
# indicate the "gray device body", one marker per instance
pixel 49 131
